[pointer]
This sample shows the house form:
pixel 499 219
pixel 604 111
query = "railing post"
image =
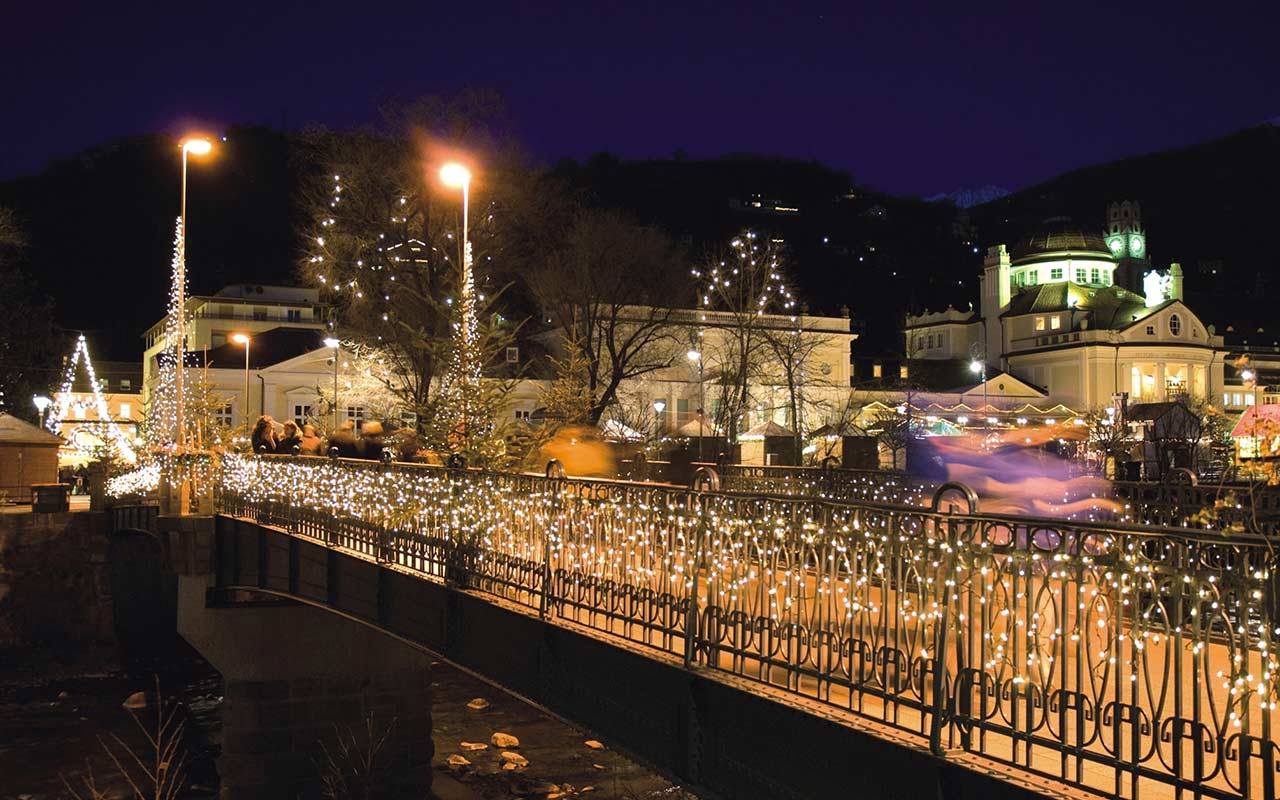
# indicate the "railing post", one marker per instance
pixel 945 582
pixel 556 511
pixel 692 618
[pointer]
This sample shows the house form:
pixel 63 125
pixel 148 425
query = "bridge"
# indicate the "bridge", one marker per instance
pixel 766 645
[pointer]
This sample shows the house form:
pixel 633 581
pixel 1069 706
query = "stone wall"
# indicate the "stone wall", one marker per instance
pixel 55 581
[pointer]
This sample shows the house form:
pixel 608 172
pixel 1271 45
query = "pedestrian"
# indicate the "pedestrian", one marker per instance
pixel 263 438
pixel 372 441
pixel 344 440
pixel 291 439
pixel 312 445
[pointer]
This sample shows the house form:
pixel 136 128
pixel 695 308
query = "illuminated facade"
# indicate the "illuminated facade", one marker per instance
pixel 1061 311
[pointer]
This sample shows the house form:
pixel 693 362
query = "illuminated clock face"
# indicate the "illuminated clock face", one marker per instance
pixel 1117 245
pixel 1135 245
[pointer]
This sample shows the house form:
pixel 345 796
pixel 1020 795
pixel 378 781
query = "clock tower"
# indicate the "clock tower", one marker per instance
pixel 1127 242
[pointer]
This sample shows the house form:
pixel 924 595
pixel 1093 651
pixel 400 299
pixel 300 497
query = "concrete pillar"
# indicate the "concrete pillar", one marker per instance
pixel 309 698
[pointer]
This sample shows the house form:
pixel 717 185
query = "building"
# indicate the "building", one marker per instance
pixel 28 455
pixel 1080 313
pixel 80 419
pixel 239 308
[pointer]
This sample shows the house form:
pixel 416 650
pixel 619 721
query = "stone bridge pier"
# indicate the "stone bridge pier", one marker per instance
pixel 311 697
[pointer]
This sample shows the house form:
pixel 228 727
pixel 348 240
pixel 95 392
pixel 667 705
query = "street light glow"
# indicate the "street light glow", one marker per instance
pixel 975 366
pixel 455 175
pixel 659 406
pixel 1247 375
pixel 693 355
pixel 332 342
pixel 197 146
pixel 41 402
pixel 240 338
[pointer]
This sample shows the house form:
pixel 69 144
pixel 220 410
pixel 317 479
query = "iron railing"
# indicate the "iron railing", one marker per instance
pixel 1130 661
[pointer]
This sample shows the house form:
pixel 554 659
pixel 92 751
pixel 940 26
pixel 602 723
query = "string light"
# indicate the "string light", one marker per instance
pixel 66 397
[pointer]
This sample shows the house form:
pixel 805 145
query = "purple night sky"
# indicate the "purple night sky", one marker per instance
pixel 910 97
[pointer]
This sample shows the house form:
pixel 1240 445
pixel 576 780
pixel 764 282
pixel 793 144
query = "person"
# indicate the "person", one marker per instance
pixel 312 445
pixel 371 441
pixel 290 439
pixel 263 438
pixel 344 439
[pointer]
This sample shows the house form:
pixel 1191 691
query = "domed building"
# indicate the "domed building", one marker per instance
pixel 1061 311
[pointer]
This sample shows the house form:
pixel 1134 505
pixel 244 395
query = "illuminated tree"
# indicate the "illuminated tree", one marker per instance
pixel 737 293
pixel 383 243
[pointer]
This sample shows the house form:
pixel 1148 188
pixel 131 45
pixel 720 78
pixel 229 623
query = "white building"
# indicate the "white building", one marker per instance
pixel 1055 313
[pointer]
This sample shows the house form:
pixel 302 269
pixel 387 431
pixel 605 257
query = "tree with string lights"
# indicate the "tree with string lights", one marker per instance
pixel 383 243
pixel 743 293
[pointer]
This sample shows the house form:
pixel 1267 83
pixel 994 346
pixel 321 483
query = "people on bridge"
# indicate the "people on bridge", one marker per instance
pixel 290 439
pixel 371 441
pixel 311 444
pixel 344 439
pixel 263 438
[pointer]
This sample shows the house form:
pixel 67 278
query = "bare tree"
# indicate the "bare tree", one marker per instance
pixel 793 350
pixel 607 284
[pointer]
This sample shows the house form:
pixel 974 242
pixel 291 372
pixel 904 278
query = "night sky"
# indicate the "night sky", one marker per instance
pixel 909 97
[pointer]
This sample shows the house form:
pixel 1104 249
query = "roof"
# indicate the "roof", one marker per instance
pixel 1146 412
pixel 266 349
pixel 1059 235
pixel 1261 420
pixel 769 428
pixel 1109 307
pixel 16 431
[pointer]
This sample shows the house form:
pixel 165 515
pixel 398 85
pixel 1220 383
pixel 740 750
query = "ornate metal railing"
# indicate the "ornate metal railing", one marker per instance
pixel 1134 662
pixel 852 485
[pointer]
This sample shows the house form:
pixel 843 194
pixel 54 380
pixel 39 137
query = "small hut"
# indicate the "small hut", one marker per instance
pixel 854 446
pixel 28 455
pixel 1170 436
pixel 769 444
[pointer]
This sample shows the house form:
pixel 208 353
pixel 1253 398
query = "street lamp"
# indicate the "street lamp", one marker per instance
pixel 244 339
pixel 333 345
pixel 658 407
pixel 42 404
pixel 192 146
pixel 695 356
pixel 980 368
pixel 457 176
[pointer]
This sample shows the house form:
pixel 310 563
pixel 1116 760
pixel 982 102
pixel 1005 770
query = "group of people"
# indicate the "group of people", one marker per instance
pixel 368 443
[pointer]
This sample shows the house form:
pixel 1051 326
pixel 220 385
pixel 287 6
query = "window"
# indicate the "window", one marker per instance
pixel 294 315
pixel 1039 323
pixel 682 407
pixel 919 342
pixel 222 415
pixel 1033 277
pixel 79 411
pixel 356 414
pixel 902 372
pixel 126 411
pixel 929 342
pixel 1055 322
pixel 1106 279
pixel 259 313
pixel 301 413
pixel 1151 330
pixel 877 371
pixel 1175 325
pixel 522 415
pixel 1079 274
pixel 513 355
pixel 1248 399
pixel 125 384
pixel 1055 273
pixel 104 384
pixel 1094 276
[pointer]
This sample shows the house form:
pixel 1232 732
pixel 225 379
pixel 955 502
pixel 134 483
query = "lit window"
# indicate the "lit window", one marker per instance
pixel 1039 323
pixel 1226 399
pixel 1033 277
pixel 902 372
pixel 1094 276
pixel 1248 399
pixel 356 414
pixel 126 411
pixel 126 384
pixel 1079 274
pixel 877 371
pixel 79 412
pixel 1106 279
pixel 1175 325
pixel 1055 322
pixel 301 413
pixel 1055 273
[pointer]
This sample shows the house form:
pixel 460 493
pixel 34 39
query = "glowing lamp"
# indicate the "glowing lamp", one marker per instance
pixel 332 342
pixel 659 406
pixel 240 338
pixel 693 355
pixel 1247 375
pixel 197 147
pixel 42 403
pixel 455 175
pixel 975 366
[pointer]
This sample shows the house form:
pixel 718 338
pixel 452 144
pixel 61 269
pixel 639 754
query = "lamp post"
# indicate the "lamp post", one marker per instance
pixel 457 176
pixel 198 147
pixel 244 339
pixel 42 404
pixel 658 407
pixel 980 368
pixel 694 355
pixel 333 345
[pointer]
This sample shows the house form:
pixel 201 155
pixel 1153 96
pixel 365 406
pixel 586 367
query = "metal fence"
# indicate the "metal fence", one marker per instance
pixel 1134 662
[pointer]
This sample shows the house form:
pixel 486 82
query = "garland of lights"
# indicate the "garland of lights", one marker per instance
pixel 822 572
pixel 162 412
pixel 65 397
